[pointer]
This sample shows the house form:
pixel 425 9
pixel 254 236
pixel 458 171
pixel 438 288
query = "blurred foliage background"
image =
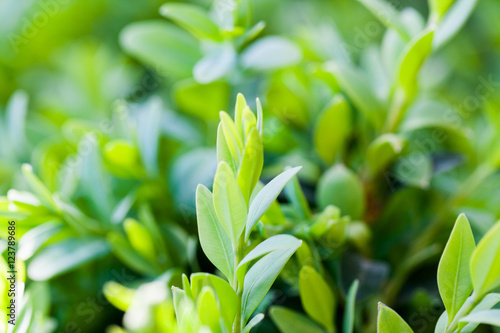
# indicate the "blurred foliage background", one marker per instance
pixel 109 113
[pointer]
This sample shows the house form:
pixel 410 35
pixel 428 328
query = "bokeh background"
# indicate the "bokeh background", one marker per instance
pixel 115 107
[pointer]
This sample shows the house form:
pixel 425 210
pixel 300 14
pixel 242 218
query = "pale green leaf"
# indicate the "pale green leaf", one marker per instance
pixel 488 317
pixel 274 243
pixel 233 139
pixel 253 322
pixel 251 164
pixel 38 187
pixel 216 64
pixel 271 52
pixel 223 152
pixel 260 278
pixel 486 304
pixel 214 240
pixel 266 197
pixel 297 198
pixel 229 202
pixel 34 238
pixel 64 256
pixel 453 21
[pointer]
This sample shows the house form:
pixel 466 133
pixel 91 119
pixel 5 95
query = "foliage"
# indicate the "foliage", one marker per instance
pixel 141 207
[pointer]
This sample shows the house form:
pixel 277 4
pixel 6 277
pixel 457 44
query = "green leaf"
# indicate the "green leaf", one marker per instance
pixel 233 139
pixel 260 118
pixel 213 238
pixel 122 155
pixel 223 152
pixel 349 314
pixel 249 122
pixel 196 166
pixel 489 317
pixel 193 18
pixel 289 321
pixel 442 323
pixel 390 322
pixel 64 256
pixel 356 85
pixel 216 64
pixel 271 52
pixel 274 243
pixel 251 164
pixel 122 249
pixel 37 186
pixel 412 60
pixel 453 21
pixel 340 187
pixel 227 297
pixel 241 105
pixel 453 276
pixel 266 197
pixel 439 8
pixel 118 295
pixel 486 304
pixel 148 134
pixel 140 239
pixel 383 151
pixel 485 262
pixel 254 322
pixel 201 100
pixel 15 119
pixel 414 169
pixel 229 202
pixel 168 49
pixel 93 180
pixel 317 297
pixel 208 309
pixel 260 278
pixel 296 196
pixel 34 238
pixel 388 15
pixel 332 128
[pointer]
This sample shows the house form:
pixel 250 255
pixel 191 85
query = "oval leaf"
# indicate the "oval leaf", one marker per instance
pixel 266 197
pixel 213 238
pixel 229 202
pixel 317 297
pixel 453 276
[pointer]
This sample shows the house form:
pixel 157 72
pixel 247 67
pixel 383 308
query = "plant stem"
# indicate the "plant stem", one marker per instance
pixel 238 287
pixel 468 306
